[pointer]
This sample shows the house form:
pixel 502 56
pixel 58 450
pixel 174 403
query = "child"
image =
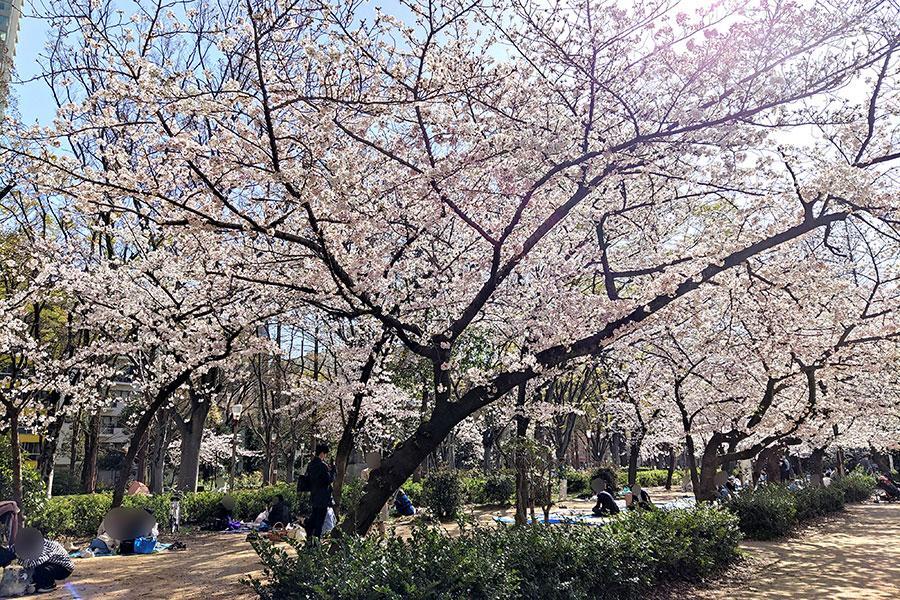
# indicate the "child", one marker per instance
pixel 47 560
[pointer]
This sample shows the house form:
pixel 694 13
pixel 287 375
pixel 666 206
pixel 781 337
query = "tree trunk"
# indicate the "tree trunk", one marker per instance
pixel 521 460
pixel 12 414
pixel 709 467
pixel 91 450
pixel 191 440
pixel 158 454
pixel 49 445
pixel 633 455
pixel 691 456
pixel 671 471
pixel 140 430
pixel 141 462
pixel 189 468
pixel 815 466
pixel 73 444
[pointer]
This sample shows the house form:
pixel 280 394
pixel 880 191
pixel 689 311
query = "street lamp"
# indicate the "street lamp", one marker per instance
pixel 236 410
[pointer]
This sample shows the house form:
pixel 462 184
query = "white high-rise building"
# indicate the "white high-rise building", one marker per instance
pixel 9 26
pixel 9 35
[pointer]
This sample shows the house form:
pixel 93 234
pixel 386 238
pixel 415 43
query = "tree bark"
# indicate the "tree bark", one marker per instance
pixel 141 462
pixel 816 460
pixel 12 413
pixel 162 396
pixel 192 428
pixel 348 435
pixel 91 450
pixel 671 470
pixel 73 444
pixel 521 460
pixel 158 454
pixel 633 455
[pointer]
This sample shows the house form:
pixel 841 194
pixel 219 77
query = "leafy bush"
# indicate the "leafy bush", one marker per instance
pixel 549 562
pixel 443 493
pixel 414 490
pixel 817 501
pixel 766 512
pixel 499 488
pixel 473 488
pixel 578 482
pixel 351 492
pixel 857 486
pixel 80 515
pixel 690 544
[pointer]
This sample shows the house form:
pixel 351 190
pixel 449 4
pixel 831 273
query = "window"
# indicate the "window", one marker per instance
pixel 4 22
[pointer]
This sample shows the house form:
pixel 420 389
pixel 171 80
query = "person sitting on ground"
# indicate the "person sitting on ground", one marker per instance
pixel 638 498
pixel 891 491
pixel 46 560
pixel 606 505
pixel 403 505
pixel 279 513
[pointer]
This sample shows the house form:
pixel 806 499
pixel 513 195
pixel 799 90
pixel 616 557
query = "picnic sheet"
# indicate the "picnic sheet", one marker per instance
pixel 160 547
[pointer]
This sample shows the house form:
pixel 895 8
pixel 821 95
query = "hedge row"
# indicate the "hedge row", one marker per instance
pixel 635 552
pixel 80 515
pixel 772 511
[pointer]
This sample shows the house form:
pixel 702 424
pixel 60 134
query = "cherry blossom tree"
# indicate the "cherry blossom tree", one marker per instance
pixel 564 170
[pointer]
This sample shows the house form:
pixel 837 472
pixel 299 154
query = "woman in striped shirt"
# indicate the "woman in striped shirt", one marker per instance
pixel 48 561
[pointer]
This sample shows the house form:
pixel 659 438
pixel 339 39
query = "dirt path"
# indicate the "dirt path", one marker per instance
pixel 849 556
pixel 210 568
pixel 854 555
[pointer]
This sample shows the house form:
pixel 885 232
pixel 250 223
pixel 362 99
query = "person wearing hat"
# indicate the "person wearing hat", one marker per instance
pixel 47 560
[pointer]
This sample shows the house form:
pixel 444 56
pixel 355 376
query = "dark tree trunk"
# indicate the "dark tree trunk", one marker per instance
pixel 73 444
pixel 12 413
pixel 141 462
pixel 633 455
pixel 709 467
pixel 816 460
pixel 521 459
pixel 690 454
pixel 158 452
pixel 348 435
pixel 191 440
pixel 91 450
pixel 140 430
pixel 671 470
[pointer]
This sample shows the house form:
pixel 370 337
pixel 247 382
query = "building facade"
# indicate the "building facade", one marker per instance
pixel 9 26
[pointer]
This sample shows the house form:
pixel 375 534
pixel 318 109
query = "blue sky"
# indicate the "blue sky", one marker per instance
pixel 35 102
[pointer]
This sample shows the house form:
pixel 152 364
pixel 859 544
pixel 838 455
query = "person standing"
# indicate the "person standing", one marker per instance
pixel 319 477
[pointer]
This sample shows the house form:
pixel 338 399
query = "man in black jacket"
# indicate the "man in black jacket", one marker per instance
pixel 319 477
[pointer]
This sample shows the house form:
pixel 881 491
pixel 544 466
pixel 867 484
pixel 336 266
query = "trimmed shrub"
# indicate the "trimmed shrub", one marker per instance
pixel 558 562
pixel 814 502
pixel 443 493
pixel 578 482
pixel 499 488
pixel 766 512
pixel 857 486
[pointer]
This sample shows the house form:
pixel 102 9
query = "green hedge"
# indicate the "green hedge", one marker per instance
pixel 635 552
pixel 80 515
pixel 772 511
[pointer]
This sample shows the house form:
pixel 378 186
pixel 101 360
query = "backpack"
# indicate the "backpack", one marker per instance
pixel 303 484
